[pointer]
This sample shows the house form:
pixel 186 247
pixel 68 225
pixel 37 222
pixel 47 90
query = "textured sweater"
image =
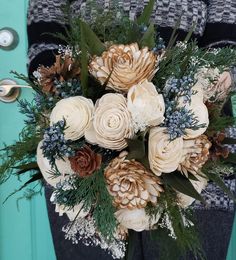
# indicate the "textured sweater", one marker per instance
pixel 215 25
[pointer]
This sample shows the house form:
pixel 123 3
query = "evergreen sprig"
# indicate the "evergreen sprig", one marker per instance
pixel 20 152
pixel 93 193
pixel 186 238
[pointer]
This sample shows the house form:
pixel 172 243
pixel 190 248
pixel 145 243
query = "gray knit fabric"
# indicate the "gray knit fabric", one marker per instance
pixel 222 11
pixel 36 49
pixel 166 13
pixel 45 10
pixel 215 198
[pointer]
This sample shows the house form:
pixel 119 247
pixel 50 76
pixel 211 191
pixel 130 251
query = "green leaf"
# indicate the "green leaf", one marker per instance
pixel 136 148
pixel 146 15
pixel 229 141
pixel 218 180
pixel 148 39
pixel 35 177
pixel 134 34
pixel 190 33
pixel 192 177
pixel 174 35
pixel 130 246
pixel 179 182
pixel 26 167
pixel 96 47
pixel 84 62
pixel 231 159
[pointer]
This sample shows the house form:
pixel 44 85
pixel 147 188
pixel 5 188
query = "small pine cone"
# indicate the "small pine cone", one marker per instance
pixel 130 184
pixel 196 154
pixel 63 69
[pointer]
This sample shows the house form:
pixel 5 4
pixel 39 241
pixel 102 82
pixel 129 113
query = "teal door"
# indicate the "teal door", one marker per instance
pixel 24 233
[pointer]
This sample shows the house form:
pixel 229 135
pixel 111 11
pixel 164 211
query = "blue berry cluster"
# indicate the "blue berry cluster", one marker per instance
pixel 160 44
pixel 181 87
pixel 178 120
pixel 68 88
pixel 54 144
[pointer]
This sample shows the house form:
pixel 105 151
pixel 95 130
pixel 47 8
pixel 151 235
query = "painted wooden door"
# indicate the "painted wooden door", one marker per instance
pixel 24 232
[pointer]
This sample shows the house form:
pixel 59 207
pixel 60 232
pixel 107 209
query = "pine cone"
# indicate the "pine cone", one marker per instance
pixel 85 162
pixel 63 69
pixel 196 154
pixel 219 150
pixel 131 185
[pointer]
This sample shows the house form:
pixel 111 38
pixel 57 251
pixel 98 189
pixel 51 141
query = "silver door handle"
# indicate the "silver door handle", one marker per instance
pixel 10 90
pixel 9 39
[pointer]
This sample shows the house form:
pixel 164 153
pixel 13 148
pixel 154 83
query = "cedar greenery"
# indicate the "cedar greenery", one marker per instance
pixel 93 193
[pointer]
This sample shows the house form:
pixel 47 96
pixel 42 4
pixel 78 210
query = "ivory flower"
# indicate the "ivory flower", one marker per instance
pixel 184 200
pixel 146 106
pixel 200 112
pixel 111 124
pixel 63 167
pixel 164 155
pixel 77 111
pixel 207 78
pixel 136 219
pixel 126 65
pixel 76 212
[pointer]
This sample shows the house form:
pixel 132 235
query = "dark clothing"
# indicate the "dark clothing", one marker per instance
pixel 214 227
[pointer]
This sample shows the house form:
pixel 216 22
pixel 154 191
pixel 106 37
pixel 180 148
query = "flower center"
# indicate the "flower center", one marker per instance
pixel 113 122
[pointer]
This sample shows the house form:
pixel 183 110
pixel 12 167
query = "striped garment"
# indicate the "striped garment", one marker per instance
pixel 215 24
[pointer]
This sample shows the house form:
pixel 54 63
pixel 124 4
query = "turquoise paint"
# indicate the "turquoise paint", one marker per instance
pixel 232 247
pixel 24 233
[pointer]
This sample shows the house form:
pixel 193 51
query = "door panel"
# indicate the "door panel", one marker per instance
pixel 24 233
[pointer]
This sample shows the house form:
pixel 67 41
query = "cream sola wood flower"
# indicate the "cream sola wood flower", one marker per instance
pixel 125 66
pixel 111 124
pixel 164 155
pixel 199 110
pixel 77 112
pixel 215 86
pixel 72 212
pixel 130 184
pixel 63 167
pixel 146 106
pixel 136 219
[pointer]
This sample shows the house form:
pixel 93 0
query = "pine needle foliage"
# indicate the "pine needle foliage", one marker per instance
pixel 93 193
pixel 20 152
pixel 186 240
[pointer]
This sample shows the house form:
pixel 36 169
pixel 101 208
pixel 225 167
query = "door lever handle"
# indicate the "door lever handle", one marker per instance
pixel 10 90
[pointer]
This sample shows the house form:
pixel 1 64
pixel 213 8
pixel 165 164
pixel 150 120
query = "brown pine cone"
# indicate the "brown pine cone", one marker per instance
pixel 62 70
pixel 85 162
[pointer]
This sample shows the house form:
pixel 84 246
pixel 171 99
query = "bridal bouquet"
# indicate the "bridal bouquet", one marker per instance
pixel 127 132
